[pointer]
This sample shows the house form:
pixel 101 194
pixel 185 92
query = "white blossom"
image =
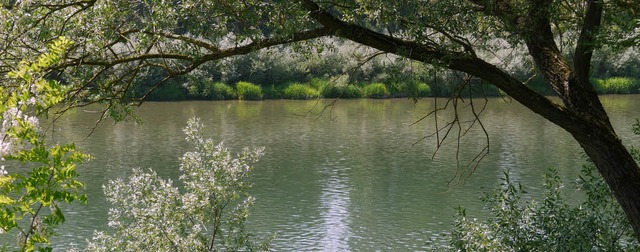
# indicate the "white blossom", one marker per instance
pixel 11 119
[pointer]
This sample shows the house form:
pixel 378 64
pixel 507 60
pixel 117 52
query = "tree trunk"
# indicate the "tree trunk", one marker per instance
pixel 617 167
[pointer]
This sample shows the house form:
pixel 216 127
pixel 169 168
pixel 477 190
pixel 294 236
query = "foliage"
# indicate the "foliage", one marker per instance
pixel 299 91
pixel 272 92
pixel 31 203
pixel 596 224
pixel 350 91
pixel 340 90
pixel 151 214
pixel 248 91
pixel 375 90
pixel 417 90
pixel 168 93
pixel 617 85
pixel 220 91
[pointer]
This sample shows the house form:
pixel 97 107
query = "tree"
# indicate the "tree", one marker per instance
pixel 118 41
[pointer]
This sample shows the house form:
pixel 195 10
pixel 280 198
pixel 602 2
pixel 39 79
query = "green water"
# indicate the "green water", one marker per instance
pixel 350 177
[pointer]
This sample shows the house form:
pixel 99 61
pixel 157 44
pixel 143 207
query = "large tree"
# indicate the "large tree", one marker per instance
pixel 119 41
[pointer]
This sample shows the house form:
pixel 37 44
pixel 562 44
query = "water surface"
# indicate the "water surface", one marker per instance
pixel 350 177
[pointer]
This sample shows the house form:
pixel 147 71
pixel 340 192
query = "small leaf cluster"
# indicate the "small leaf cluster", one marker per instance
pixel 150 213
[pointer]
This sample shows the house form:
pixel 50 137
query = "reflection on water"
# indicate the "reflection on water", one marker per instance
pixel 352 182
pixel 335 208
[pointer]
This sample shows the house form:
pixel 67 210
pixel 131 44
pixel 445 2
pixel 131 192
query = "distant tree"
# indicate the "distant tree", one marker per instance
pixel 116 41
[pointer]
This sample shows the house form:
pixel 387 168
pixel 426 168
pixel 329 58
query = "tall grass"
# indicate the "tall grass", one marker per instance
pixel 616 85
pixel 219 91
pixel 299 92
pixel 416 89
pixel 376 90
pixel 248 91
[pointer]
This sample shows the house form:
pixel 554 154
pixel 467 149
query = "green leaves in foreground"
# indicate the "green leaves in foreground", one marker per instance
pixel 149 213
pixel 30 201
pixel 598 223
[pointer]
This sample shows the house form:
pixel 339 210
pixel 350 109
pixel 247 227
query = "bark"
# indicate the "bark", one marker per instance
pixel 581 112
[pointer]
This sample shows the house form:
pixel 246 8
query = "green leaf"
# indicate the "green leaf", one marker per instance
pixel 4 200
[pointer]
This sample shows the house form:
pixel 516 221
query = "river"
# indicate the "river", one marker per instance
pixel 353 176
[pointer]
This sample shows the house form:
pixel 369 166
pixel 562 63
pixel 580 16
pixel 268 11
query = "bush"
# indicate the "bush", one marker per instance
pixel 272 92
pixel 319 84
pixel 345 91
pixel 300 92
pixel 219 91
pixel 616 85
pixel 207 213
pixel 248 91
pixel 331 91
pixel 596 224
pixel 416 89
pixel 351 91
pixel 375 90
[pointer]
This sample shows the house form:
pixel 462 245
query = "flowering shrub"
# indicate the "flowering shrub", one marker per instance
pixel 151 214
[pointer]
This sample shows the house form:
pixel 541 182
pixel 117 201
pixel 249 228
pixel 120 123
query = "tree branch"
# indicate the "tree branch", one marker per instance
pixel 586 43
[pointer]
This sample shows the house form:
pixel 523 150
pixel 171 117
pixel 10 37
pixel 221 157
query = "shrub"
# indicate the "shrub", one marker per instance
pixel 206 214
pixel 219 91
pixel 616 85
pixel 416 89
pixel 375 90
pixel 596 224
pixel 331 91
pixel 248 91
pixel 351 91
pixel 272 92
pixel 319 84
pixel 345 91
pixel 300 92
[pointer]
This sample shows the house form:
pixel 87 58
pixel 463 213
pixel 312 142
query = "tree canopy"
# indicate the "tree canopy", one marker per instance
pixel 116 42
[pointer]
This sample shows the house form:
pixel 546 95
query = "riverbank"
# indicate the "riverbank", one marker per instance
pixel 326 88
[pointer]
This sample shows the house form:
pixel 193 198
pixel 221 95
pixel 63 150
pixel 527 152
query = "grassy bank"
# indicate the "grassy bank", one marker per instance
pixel 316 88
pixel 325 88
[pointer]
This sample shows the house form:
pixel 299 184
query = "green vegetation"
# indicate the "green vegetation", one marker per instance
pixel 220 91
pixel 248 91
pixel 552 223
pixel 122 44
pixel 516 223
pixel 168 93
pixel 208 214
pixel 299 92
pixel 211 91
pixel 31 203
pixel 324 88
pixel 375 90
pixel 617 85
pixel 415 89
pixel 315 88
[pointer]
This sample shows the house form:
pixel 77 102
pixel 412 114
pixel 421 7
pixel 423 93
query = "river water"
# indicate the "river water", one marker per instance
pixel 353 176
